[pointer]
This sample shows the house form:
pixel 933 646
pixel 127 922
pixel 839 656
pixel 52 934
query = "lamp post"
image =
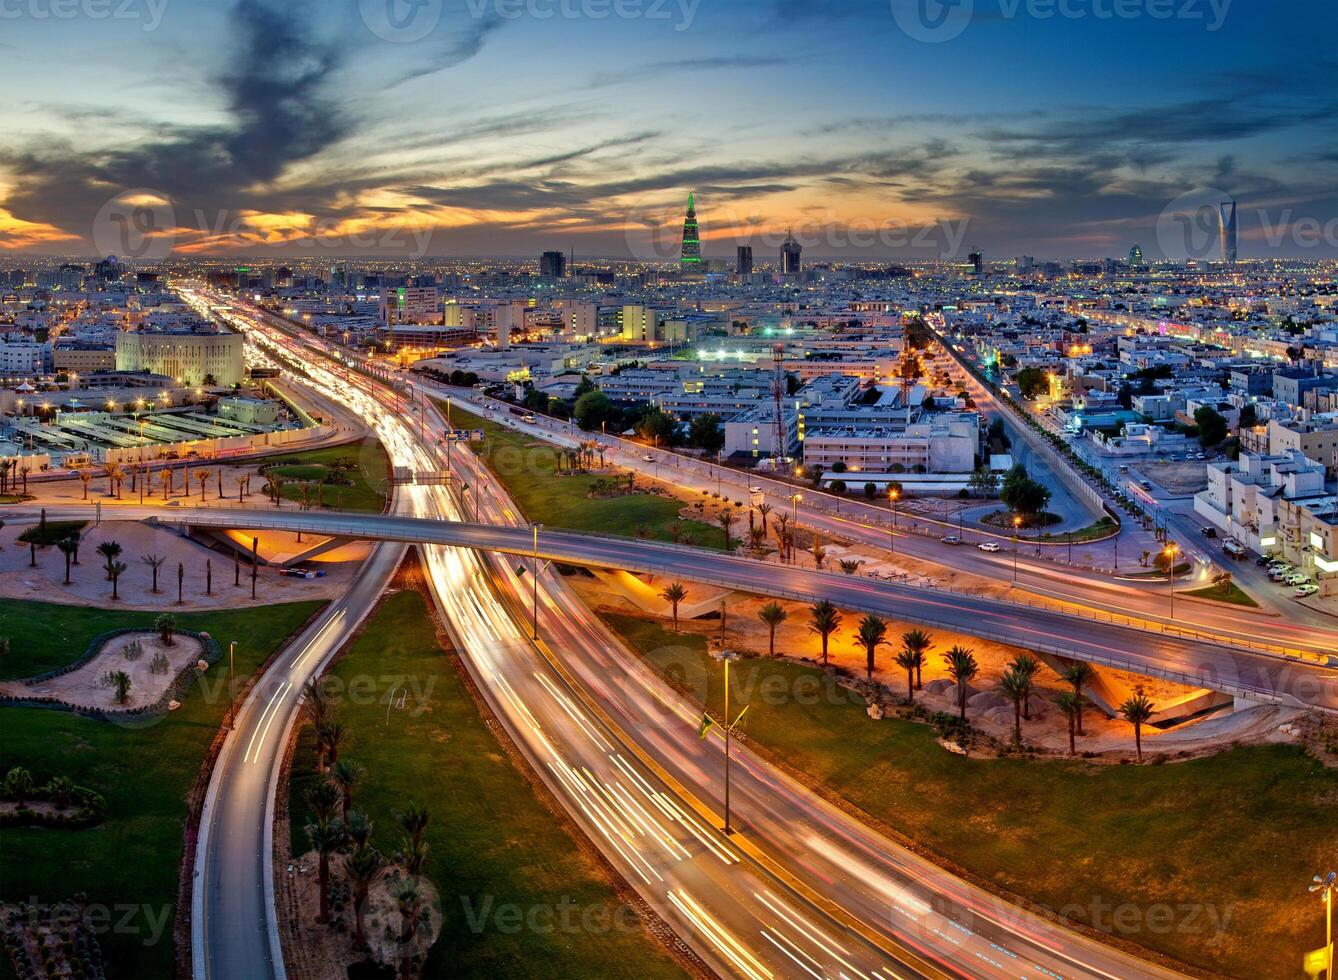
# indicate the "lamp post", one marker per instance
pixel 1325 884
pixel 1017 524
pixel 794 506
pixel 1171 551
pixel 894 494
pixel 534 568
pixel 232 683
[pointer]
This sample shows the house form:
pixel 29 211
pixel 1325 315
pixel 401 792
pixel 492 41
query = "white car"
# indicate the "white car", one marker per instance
pixel 1310 588
pixel 1296 578
pixel 951 539
pixel 990 546
pixel 756 490
pixel 648 458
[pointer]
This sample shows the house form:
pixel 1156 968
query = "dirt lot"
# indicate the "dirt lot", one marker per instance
pixel 1178 478
pixel 86 688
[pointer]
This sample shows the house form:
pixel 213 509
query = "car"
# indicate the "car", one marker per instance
pixel 1263 560
pixel 529 419
pixel 1309 588
pixel 1209 532
pixel 990 546
pixel 301 572
pixel 951 539
pixel 756 490
pixel 648 458
pixel 1296 578
pixel 1145 484
pixel 1276 574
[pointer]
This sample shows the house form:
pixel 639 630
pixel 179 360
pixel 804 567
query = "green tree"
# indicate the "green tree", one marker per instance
pixel 1017 687
pixel 593 408
pixel 155 562
pixel 116 569
pixel 1137 711
pixel 657 427
pixel 413 821
pixel 871 634
pixel 983 482
pixel 706 434
pixel 773 614
pixel 346 774
pixel 1025 664
pixel 110 551
pixel 68 547
pixel 1211 425
pixel 918 642
pixel 1079 675
pixel 121 681
pixel 1032 381
pixel 325 837
pixel 363 869
pixel 674 593
pixel 824 619
pixel 165 626
pixel 962 667
pixel 1070 705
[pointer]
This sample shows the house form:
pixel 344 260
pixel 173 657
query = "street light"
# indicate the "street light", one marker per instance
pixel 1017 523
pixel 1325 884
pixel 1171 551
pixel 795 498
pixel 232 683
pixel 895 495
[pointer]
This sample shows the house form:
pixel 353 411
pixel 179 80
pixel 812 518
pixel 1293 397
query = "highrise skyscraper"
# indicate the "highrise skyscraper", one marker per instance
pixel 790 254
pixel 1227 220
pixel 745 263
pixel 553 265
pixel 1136 255
pixel 977 260
pixel 691 258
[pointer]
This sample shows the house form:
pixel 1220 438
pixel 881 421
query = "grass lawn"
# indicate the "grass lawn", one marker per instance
pixel 367 492
pixel 1235 596
pixel 129 863
pixel 490 838
pixel 1238 834
pixel 528 470
pixel 53 531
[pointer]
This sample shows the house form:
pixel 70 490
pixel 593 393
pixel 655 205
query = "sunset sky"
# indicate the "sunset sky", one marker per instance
pixel 290 128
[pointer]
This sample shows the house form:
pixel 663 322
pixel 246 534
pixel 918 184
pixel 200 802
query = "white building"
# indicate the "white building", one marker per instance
pixel 190 355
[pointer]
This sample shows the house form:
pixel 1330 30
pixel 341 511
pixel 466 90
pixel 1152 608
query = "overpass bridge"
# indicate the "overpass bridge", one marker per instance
pixel 1307 679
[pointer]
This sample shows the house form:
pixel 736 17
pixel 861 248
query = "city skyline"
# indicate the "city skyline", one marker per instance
pixel 258 129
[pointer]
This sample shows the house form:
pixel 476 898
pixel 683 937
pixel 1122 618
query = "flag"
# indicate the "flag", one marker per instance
pixel 706 726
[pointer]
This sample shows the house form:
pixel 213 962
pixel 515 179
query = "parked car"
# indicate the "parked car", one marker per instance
pixel 1263 560
pixel 301 572
pixel 1296 578
pixel 1209 532
pixel 1277 574
pixel 951 539
pixel 990 546
pixel 1309 588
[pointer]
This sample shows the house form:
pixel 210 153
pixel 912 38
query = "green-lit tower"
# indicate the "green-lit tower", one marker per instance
pixel 691 259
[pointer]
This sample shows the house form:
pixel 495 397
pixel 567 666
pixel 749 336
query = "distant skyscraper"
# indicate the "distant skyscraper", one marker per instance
pixel 977 261
pixel 1227 219
pixel 691 258
pixel 790 255
pixel 553 264
pixel 745 263
pixel 1136 255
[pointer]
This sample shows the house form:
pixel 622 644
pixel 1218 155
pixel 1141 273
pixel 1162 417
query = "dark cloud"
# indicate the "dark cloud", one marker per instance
pixel 280 114
pixel 459 48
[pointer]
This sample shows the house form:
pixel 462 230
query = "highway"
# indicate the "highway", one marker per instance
pixel 801 890
pixel 870 526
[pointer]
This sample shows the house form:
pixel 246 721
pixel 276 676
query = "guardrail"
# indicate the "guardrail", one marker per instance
pixel 390 527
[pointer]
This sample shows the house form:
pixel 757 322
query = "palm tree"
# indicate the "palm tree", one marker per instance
pixel 322 798
pixel 116 569
pixel 241 482
pixel 326 837
pixel 919 642
pixel 202 477
pixel 155 562
pixel 1137 710
pixel 1025 663
pixel 1071 705
pixel 783 534
pixel 726 522
pixel 819 552
pixel 85 477
pixel 316 702
pixel 674 593
pixel 773 614
pixel 362 868
pixel 872 634
pixel 121 681
pixel 67 546
pixel 850 565
pixel 115 477
pixel 409 901
pixel 910 661
pixel 1017 686
pixel 357 828
pixel 110 551
pixel 165 625
pixel 757 538
pixel 1079 673
pixel 413 820
pixel 764 510
pixel 824 619
pixel 328 738
pixel 962 667
pixel 346 774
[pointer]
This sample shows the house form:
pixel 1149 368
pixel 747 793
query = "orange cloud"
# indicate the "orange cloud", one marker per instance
pixel 15 233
